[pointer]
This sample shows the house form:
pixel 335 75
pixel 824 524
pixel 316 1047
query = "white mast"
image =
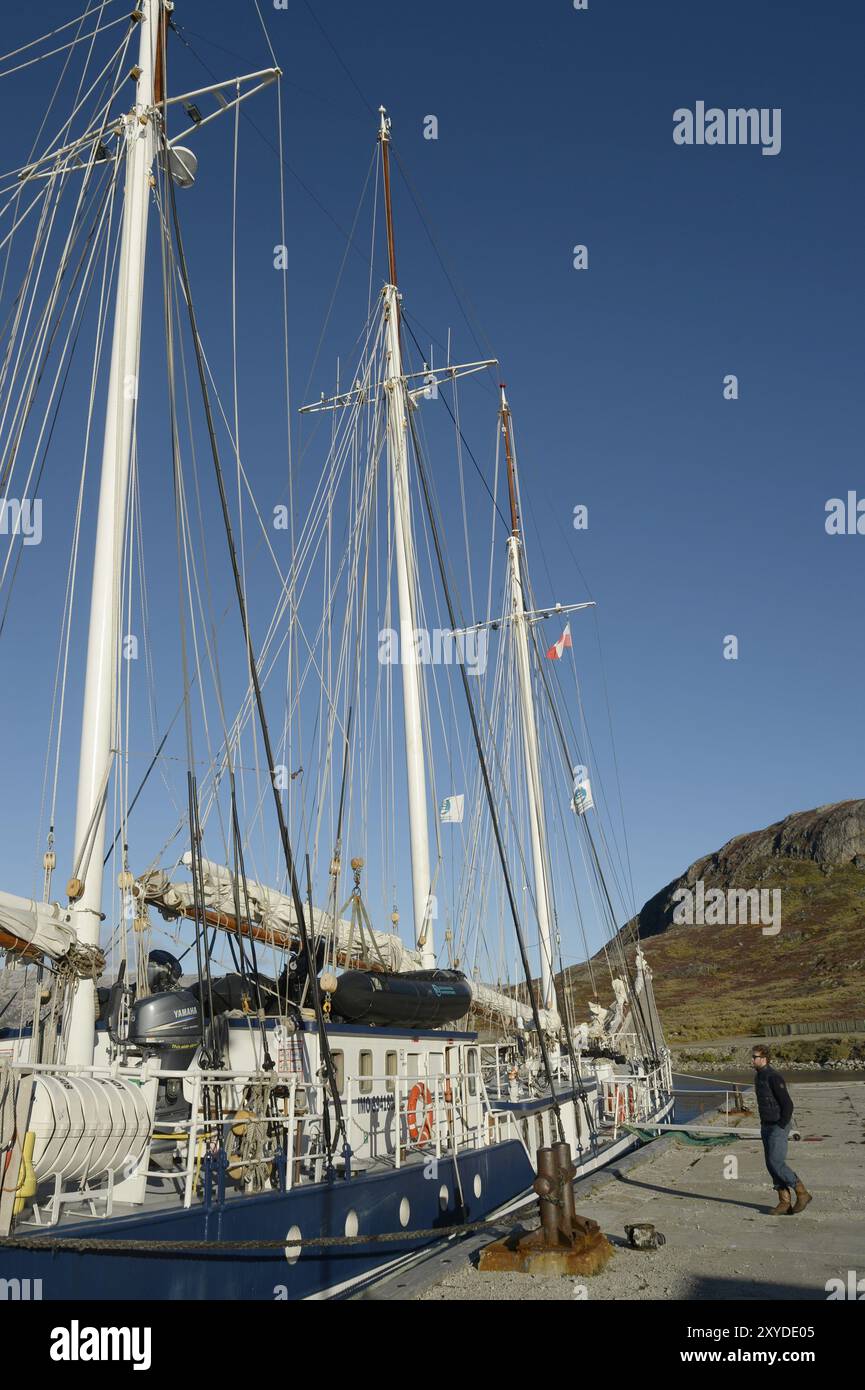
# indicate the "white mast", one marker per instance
pixel 398 407
pixel 98 720
pixel 534 787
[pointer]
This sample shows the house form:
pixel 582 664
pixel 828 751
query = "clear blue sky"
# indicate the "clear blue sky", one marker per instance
pixel 706 516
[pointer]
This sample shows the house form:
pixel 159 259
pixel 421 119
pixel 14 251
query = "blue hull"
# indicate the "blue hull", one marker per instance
pixel 489 1178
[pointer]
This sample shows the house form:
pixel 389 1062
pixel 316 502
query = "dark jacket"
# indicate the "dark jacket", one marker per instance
pixel 773 1098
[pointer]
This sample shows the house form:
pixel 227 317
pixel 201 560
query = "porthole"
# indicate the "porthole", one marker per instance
pixel 292 1249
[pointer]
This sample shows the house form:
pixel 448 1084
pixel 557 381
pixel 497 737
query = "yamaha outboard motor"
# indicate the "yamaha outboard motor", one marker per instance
pixel 167 1026
pixel 163 1023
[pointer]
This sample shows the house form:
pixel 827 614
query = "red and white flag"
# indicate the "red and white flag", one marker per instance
pixel 555 652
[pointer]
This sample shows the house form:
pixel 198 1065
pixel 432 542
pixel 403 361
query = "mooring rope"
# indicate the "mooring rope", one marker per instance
pixel 216 1247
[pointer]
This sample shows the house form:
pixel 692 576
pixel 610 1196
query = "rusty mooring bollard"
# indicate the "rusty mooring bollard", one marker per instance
pixel 554 1186
pixel 567 1173
pixel 566 1243
pixel 547 1185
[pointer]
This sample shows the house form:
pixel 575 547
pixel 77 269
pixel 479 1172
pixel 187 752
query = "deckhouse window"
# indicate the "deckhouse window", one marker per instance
pixel 365 1072
pixel 339 1068
pixel 472 1070
pixel 390 1070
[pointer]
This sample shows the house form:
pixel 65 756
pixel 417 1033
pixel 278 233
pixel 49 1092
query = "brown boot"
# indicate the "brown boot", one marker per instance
pixel 803 1197
pixel 783 1207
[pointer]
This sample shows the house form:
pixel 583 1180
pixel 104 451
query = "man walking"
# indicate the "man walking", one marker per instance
pixel 776 1112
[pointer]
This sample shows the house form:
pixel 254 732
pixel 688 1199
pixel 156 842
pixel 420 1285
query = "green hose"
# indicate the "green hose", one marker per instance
pixel 710 1141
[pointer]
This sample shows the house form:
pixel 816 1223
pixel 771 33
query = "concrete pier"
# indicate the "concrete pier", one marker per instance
pixel 711 1205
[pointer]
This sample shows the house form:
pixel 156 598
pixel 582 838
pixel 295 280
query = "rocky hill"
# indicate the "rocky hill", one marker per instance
pixel 722 975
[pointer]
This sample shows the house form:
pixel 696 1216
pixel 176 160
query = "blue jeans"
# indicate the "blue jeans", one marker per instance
pixel 775 1149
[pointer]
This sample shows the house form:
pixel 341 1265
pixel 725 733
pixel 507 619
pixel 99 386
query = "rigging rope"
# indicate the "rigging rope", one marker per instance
pixel 52 53
pixel 79 19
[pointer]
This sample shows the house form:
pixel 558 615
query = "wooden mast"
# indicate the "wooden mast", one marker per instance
pixel 512 485
pixel 160 61
pixel 384 140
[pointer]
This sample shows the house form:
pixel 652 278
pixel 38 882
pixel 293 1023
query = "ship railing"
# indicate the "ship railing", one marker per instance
pixel 628 1043
pixel 463 1118
pixel 202 1135
pixel 630 1100
pixel 452 1114
pixel 496 1062
pixel 432 1114
pixel 731 1094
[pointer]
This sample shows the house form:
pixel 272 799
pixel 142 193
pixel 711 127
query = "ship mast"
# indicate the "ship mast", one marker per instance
pixel 534 787
pixel 98 720
pixel 398 406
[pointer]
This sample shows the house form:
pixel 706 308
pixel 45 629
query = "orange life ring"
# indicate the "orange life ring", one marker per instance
pixel 625 1109
pixel 448 1093
pixel 420 1135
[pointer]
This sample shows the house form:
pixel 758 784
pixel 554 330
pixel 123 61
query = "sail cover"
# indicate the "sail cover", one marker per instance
pixel 41 928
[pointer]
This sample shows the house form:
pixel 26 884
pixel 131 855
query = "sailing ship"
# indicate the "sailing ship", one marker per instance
pixel 339 1100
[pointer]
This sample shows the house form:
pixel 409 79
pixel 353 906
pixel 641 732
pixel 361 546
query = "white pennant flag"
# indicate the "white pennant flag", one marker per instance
pixel 452 808
pixel 581 798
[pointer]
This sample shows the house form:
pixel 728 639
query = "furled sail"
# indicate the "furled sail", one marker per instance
pixel 34 928
pixel 271 915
